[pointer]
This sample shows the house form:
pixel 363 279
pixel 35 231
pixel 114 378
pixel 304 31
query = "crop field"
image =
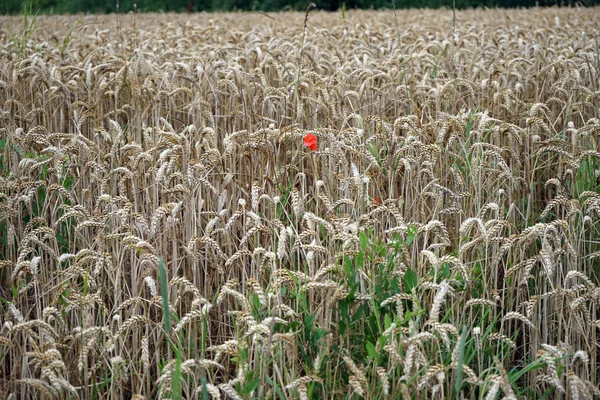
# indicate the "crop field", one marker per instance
pixel 350 205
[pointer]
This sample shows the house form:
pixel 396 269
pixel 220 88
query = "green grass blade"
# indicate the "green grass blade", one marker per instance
pixel 164 292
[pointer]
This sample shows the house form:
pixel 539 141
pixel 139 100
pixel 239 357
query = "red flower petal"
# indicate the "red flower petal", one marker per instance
pixel 310 141
pixel 377 200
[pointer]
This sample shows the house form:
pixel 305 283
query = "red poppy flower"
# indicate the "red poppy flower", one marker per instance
pixel 377 200
pixel 310 141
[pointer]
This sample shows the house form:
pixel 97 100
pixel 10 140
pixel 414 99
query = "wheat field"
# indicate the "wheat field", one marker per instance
pixel 166 232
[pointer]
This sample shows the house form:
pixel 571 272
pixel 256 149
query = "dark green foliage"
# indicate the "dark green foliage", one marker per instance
pixel 110 6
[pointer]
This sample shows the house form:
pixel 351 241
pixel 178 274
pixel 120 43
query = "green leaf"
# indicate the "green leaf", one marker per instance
pixel 364 240
pixel 251 383
pixel 411 233
pixel 204 390
pixel 516 373
pixel 410 280
pixel 371 350
pixel 85 283
pixel 164 291
pixel 461 358
pixel 387 321
pixel 176 380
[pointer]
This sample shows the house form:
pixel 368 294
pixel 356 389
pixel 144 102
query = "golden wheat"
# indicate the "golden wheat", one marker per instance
pixel 472 153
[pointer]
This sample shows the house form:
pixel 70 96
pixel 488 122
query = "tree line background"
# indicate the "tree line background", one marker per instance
pixel 110 6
